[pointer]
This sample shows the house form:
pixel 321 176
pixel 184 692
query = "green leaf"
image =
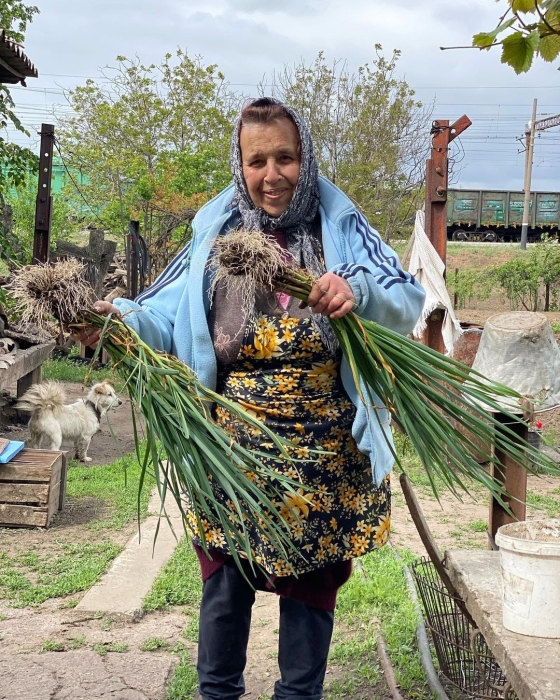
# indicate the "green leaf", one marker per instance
pixel 485 39
pixel 518 50
pixel 549 47
pixel 524 6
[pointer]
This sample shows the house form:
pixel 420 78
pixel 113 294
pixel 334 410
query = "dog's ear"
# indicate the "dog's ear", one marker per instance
pixel 101 388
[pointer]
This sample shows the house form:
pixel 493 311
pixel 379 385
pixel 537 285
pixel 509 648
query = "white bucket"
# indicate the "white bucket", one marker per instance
pixel 530 556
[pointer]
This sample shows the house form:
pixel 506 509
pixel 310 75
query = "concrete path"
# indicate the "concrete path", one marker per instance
pixel 84 675
pixel 130 578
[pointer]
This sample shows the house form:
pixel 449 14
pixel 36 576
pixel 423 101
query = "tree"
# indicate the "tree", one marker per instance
pixel 370 133
pixel 153 143
pixel 16 160
pixel 532 28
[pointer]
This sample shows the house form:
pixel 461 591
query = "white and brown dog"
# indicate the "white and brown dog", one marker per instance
pixel 53 422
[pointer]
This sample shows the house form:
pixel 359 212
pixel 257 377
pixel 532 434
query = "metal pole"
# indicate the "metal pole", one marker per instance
pixel 512 476
pixel 527 183
pixel 132 258
pixel 436 208
pixel 43 206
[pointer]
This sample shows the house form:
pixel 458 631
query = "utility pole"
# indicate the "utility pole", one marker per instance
pixel 43 206
pixel 530 140
pixel 436 207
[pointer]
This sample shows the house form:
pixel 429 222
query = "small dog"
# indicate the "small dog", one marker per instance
pixel 53 421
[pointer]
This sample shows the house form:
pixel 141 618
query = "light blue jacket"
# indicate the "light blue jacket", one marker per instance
pixel 172 314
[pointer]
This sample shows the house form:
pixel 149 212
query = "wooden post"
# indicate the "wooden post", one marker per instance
pixel 97 255
pixel 43 206
pixel 513 477
pixel 436 207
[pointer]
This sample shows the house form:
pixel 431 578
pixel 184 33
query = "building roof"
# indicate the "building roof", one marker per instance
pixel 15 67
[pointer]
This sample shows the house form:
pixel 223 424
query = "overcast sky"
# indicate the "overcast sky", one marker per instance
pixel 72 39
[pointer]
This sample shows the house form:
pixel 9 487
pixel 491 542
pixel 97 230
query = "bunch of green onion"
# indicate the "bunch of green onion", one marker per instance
pixel 191 456
pixel 438 402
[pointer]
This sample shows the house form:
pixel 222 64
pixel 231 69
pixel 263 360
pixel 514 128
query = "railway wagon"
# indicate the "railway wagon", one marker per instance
pixel 497 215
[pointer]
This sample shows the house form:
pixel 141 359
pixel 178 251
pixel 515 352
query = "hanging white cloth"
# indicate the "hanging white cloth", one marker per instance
pixel 428 268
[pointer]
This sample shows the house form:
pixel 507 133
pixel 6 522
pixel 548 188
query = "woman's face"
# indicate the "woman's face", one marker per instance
pixel 270 156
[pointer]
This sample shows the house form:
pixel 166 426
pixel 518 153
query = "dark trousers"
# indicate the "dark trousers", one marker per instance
pixel 225 618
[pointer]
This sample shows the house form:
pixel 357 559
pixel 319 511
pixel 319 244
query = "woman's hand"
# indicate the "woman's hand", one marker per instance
pixel 331 296
pixel 90 336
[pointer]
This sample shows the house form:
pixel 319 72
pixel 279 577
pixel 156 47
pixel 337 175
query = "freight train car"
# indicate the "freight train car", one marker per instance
pixel 497 215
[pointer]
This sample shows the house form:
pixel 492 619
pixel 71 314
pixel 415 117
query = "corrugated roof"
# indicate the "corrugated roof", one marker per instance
pixel 14 64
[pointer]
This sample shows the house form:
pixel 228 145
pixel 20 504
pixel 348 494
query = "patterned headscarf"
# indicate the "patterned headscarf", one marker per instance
pixel 296 223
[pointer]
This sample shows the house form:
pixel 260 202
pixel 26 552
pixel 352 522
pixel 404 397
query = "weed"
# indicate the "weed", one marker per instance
pixel 51 645
pixel 154 644
pixel 68 604
pixel 478 525
pixel 76 642
pixel 105 647
pixel 191 630
pixel 106 624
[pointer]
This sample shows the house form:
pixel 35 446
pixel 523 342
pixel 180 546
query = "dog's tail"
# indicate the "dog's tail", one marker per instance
pixel 42 397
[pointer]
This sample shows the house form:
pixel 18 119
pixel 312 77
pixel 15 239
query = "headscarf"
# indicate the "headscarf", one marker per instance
pixel 296 223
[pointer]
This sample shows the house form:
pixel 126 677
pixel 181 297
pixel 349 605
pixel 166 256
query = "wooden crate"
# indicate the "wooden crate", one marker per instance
pixel 32 488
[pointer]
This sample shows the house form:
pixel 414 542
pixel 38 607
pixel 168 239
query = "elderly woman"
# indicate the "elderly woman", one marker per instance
pixel 282 362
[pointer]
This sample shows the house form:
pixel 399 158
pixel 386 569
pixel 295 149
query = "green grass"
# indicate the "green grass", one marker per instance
pixel 154 644
pixel 65 370
pixel 376 598
pixel 31 578
pixel 68 645
pixel 105 647
pixel 184 682
pixel 116 485
pixel 178 583
pixel 477 525
pixel 543 506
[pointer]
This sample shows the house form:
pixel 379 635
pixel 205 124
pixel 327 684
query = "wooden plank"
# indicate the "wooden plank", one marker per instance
pixel 22 516
pixel 54 495
pixel 35 494
pixel 63 480
pixel 25 362
pixel 26 382
pixel 37 473
pixel 29 456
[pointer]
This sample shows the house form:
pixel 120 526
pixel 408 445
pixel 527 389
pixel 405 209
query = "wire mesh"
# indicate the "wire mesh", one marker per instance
pixel 465 659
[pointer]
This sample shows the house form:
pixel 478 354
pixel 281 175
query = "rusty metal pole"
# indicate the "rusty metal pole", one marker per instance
pixel 43 206
pixel 512 477
pixel 132 261
pixel 436 207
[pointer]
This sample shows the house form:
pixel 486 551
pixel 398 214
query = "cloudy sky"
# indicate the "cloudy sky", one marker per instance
pixel 249 39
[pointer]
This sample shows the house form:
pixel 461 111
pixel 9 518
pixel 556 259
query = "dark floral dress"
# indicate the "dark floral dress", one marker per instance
pixel 284 376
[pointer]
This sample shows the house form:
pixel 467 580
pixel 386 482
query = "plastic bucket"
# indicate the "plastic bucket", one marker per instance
pixel 530 556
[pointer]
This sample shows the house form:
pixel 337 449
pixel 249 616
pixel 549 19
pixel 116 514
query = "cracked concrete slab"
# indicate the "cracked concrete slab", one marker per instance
pixel 84 675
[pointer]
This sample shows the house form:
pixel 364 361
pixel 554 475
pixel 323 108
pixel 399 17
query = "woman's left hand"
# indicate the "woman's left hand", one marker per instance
pixel 331 296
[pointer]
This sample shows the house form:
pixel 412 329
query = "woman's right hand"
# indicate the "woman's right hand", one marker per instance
pixel 90 336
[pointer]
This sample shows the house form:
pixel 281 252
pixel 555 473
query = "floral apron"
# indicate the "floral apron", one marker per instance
pixel 284 376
